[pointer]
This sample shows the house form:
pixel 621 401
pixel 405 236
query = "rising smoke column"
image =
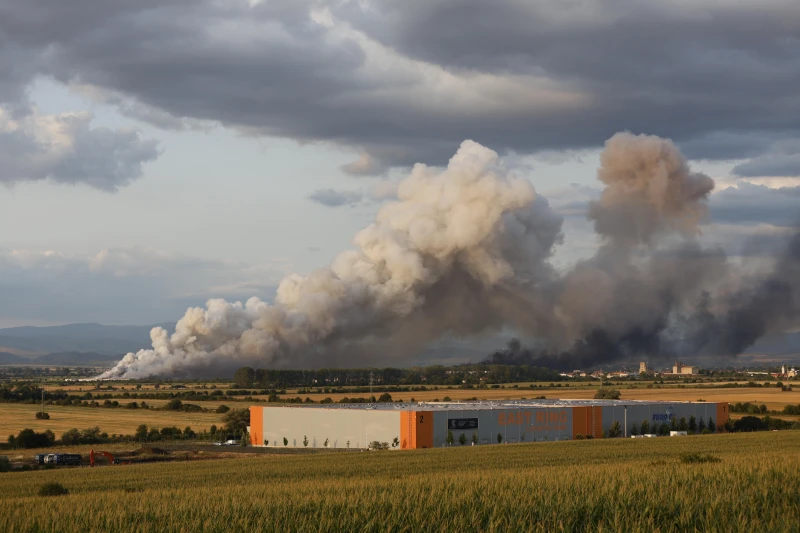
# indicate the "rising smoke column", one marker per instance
pixel 457 253
pixel 464 251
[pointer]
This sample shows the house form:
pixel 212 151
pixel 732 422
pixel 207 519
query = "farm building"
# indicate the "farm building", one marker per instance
pixel 427 424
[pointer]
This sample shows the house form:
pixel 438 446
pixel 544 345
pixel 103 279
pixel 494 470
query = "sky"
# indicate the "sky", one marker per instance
pixel 159 153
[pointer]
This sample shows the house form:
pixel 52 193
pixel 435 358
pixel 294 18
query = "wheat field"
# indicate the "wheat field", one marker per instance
pixel 606 485
pixel 14 417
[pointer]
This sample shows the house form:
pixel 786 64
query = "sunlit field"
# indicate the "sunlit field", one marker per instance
pixel 733 482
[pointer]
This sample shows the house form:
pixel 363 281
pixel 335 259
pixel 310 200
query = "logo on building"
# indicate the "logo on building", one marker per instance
pixel 664 417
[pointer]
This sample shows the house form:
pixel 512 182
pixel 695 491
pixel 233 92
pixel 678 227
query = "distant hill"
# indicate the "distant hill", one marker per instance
pixel 11 359
pixel 85 338
pixel 75 359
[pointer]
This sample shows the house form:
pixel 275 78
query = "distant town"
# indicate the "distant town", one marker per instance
pixel 678 369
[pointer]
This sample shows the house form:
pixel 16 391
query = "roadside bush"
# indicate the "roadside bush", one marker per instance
pixel 223 409
pixel 52 489
pixel 42 416
pixel 5 464
pixel 607 394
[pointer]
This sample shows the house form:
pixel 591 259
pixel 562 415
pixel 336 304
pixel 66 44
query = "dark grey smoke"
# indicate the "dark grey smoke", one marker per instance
pixel 762 305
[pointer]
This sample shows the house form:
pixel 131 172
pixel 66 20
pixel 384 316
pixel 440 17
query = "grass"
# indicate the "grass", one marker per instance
pixel 14 417
pixel 613 485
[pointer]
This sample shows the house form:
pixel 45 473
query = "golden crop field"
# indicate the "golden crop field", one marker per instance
pixel 14 417
pixel 751 484
pixel 773 397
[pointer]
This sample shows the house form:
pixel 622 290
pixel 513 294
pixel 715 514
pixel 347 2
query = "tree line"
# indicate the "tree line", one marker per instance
pixel 247 377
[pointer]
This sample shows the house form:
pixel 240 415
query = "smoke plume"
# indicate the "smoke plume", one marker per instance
pixel 465 250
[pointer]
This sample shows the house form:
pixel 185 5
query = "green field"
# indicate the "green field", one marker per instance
pixel 611 485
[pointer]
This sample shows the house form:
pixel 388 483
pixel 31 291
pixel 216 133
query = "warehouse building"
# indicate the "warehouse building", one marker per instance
pixel 428 424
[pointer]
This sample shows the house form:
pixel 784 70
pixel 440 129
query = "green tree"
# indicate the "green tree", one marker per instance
pixel 614 431
pixel 174 405
pixel 71 437
pixel 237 420
pixel 449 438
pixel 692 424
pixel 645 427
pixel 712 426
pixel 635 429
pixel 188 433
pixel 474 437
pixel 305 440
pixel 462 439
pixel 385 397
pixel 499 438
pixel 285 441
pixel 701 425
pixel 243 378
pixel 141 433
pixel 682 424
pixel 607 394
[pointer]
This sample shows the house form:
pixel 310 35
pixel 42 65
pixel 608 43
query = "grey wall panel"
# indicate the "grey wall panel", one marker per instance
pixel 515 425
pixel 358 426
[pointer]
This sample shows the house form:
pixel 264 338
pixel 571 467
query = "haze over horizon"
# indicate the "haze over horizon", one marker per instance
pixel 159 154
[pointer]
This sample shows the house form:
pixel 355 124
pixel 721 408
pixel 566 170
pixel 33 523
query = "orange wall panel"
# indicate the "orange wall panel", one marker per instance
pixel 579 421
pixel 257 425
pixel 424 429
pixel 722 415
pixel 406 431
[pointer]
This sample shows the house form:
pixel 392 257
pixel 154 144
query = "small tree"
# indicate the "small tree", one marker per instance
pixel 499 438
pixel 692 424
pixel 673 423
pixel 712 426
pixel 701 425
pixel 325 444
pixel 174 405
pixel 347 445
pixel 474 437
pixel 449 438
pixel 614 431
pixel 305 440
pixel 682 424
pixel 41 415
pixel 141 433
pixel 285 441
pixel 634 429
pixel 645 427
pixel 462 439
pixel 385 397
pixel 607 394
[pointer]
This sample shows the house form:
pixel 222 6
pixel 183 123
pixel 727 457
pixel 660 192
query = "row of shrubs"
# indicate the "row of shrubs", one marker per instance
pixel 172 405
pixel 754 409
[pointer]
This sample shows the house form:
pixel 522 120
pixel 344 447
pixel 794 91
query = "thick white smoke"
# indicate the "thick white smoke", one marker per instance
pixel 445 257
pixel 464 251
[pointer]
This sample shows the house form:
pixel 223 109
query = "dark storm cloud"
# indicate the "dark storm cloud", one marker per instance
pixel 752 204
pixel 334 198
pixel 783 159
pixel 417 77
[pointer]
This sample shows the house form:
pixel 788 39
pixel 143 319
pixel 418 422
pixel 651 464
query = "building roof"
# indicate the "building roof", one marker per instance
pixel 477 406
